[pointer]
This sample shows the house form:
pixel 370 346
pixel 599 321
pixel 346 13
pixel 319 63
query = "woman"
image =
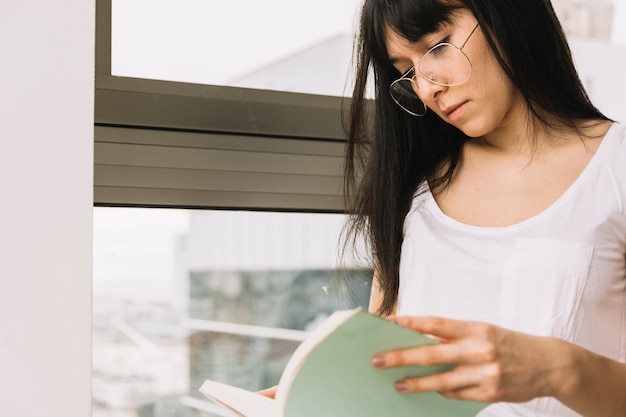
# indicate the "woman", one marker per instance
pixel 493 195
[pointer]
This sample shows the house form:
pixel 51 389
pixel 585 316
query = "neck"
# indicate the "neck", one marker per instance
pixel 534 138
pixel 514 139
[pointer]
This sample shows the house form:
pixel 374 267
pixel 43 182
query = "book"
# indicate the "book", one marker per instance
pixel 330 374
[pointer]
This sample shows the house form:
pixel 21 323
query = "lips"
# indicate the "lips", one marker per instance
pixel 455 111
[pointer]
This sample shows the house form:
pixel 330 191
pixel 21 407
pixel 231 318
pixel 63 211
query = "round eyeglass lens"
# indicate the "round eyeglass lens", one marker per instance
pixel 403 93
pixel 445 65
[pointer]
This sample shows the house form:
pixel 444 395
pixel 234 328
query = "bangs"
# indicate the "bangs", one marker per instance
pixel 414 19
pixel 411 19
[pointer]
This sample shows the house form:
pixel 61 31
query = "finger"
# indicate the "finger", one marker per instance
pixel 464 352
pixel 458 382
pixel 422 356
pixel 408 322
pixel 475 393
pixel 446 329
pixel 268 392
pixel 436 326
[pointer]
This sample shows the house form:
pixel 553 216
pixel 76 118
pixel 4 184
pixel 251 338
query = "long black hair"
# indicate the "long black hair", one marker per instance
pixel 390 153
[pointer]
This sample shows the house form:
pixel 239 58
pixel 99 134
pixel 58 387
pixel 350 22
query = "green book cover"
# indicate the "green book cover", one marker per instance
pixel 330 374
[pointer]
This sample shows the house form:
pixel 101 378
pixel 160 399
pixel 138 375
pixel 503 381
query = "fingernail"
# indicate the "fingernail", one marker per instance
pixel 378 361
pixel 400 386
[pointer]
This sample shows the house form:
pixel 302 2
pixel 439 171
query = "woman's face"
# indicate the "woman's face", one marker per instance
pixel 486 102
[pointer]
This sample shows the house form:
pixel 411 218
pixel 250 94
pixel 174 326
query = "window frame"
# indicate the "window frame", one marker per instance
pixel 155 141
pixel 175 118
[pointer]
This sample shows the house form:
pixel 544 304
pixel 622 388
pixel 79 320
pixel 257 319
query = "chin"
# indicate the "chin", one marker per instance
pixel 472 130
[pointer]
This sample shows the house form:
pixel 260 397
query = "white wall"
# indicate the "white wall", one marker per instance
pixel 46 132
pixel 601 67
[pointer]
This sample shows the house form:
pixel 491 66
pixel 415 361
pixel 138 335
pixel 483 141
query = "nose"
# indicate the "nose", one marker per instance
pixel 426 90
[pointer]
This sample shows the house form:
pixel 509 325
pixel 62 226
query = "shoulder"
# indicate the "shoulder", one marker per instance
pixel 615 144
pixel 617 131
pixel 421 196
pixel 611 158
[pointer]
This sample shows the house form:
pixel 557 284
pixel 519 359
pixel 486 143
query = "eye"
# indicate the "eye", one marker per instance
pixel 439 50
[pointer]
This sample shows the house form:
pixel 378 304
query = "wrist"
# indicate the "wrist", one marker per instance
pixel 566 373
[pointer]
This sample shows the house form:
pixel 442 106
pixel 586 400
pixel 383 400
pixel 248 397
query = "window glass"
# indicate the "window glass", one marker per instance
pixel 306 46
pixel 181 296
pixel 597 36
pixel 274 44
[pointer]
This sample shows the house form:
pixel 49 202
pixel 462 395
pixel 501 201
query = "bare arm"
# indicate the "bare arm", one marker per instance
pixel 599 386
pixel 376 295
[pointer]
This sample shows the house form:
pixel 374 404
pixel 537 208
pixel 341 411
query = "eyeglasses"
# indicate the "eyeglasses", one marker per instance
pixel 444 64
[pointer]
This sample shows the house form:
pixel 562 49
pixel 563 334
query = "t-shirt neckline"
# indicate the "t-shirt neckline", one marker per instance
pixel 594 163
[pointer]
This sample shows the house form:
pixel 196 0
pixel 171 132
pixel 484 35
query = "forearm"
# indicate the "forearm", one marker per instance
pixel 590 384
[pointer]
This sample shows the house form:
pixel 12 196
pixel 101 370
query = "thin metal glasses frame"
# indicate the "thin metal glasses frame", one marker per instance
pixel 416 72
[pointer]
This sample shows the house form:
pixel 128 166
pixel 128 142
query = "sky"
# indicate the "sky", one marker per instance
pixel 133 250
pixel 211 42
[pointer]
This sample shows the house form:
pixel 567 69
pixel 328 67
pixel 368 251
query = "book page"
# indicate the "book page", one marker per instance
pixel 241 402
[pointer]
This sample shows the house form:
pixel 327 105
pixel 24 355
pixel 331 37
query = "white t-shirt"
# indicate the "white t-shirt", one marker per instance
pixel 560 273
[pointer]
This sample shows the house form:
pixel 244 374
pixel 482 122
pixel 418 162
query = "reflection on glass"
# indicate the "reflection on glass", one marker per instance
pixel 181 296
pixel 275 44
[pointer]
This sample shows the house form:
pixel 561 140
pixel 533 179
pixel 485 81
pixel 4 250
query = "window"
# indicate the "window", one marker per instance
pixel 179 168
pixel 185 295
pixel 273 44
pixel 171 144
pixel 245 160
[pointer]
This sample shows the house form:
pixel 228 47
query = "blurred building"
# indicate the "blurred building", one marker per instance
pixel 601 61
pixel 586 18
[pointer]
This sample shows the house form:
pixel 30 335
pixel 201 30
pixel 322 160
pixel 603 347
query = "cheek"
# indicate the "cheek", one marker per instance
pixel 491 86
pixel 497 109
pixel 486 69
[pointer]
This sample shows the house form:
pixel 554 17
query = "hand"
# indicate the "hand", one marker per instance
pixel 492 364
pixel 268 392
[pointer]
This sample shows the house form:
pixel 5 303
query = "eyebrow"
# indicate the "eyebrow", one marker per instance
pixel 395 60
pixel 434 34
